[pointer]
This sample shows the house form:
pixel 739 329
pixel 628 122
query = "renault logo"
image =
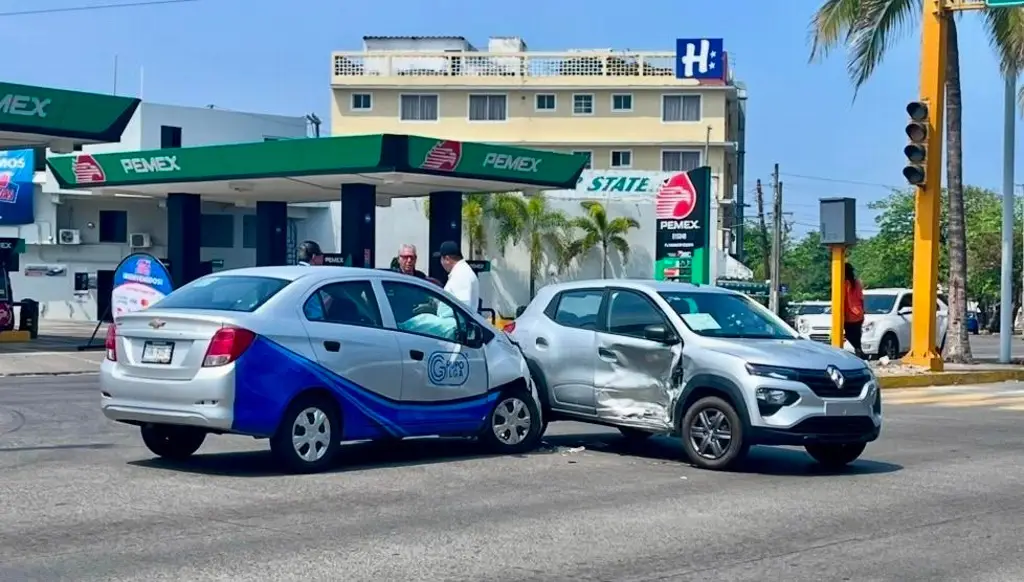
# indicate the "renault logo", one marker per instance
pixel 157 324
pixel 836 376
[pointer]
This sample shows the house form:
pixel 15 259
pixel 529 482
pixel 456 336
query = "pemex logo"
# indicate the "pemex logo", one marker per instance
pixel 87 170
pixel 676 198
pixel 443 157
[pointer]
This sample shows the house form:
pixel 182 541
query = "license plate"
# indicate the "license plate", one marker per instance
pixel 844 409
pixel 157 352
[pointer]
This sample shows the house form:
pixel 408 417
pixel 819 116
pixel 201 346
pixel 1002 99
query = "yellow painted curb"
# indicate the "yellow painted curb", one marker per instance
pixel 15 336
pixel 949 379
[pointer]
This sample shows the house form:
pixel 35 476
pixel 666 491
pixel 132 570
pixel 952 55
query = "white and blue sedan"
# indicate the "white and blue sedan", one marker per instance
pixel 309 357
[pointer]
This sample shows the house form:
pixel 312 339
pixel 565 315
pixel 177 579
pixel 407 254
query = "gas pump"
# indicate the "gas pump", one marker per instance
pixel 9 250
pixel 678 268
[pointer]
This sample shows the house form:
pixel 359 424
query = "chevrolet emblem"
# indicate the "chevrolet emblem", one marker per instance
pixel 157 324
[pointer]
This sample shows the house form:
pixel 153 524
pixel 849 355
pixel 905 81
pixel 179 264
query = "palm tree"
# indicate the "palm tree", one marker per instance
pixel 530 220
pixel 867 28
pixel 474 221
pixel 601 233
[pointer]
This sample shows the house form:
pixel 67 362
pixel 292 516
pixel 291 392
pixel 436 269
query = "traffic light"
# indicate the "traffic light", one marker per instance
pixel 917 150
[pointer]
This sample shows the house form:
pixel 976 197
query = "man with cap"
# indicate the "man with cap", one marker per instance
pixel 462 280
pixel 309 253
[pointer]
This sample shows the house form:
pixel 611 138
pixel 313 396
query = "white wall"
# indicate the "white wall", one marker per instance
pixel 203 126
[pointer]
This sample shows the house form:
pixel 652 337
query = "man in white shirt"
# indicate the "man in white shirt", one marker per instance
pixel 462 280
pixel 309 254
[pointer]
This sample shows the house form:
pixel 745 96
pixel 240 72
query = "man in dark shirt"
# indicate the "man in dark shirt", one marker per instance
pixel 407 262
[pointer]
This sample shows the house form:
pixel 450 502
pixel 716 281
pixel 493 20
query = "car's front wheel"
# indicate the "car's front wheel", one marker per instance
pixel 835 456
pixel 172 442
pixel 889 346
pixel 309 436
pixel 514 425
pixel 713 434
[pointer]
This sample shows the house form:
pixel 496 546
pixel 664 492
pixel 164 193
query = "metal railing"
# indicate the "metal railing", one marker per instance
pixel 526 65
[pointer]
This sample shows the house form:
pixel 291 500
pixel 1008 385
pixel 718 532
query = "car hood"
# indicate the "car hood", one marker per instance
pixel 796 353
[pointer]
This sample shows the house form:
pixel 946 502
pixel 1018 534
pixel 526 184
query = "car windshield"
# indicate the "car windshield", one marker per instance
pixel 727 315
pixel 878 303
pixel 224 293
pixel 813 309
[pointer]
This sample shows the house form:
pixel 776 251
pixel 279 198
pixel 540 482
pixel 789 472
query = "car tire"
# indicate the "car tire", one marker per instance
pixel 889 346
pixel 634 435
pixel 514 424
pixel 711 412
pixel 176 443
pixel 309 437
pixel 835 456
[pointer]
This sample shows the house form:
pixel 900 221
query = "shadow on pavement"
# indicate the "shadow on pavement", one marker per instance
pixel 89 446
pixel 386 454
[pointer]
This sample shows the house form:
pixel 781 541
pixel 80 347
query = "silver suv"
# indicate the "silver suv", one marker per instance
pixel 706 364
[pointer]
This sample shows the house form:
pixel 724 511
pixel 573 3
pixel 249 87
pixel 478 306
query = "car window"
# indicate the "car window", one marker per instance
pixel 578 308
pixel 878 304
pixel 225 293
pixel 424 312
pixel 907 300
pixel 727 315
pixel 630 312
pixel 348 303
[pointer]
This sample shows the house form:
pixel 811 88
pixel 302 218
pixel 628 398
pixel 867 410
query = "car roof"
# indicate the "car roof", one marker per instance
pixel 637 284
pixel 313 273
pixel 885 290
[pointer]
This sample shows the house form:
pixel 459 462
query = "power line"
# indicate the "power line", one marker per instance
pixel 94 7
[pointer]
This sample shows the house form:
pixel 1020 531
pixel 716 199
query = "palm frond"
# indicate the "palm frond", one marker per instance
pixel 620 244
pixel 831 26
pixel 880 23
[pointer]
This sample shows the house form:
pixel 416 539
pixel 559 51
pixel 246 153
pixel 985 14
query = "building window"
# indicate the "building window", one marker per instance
pixel 249 231
pixel 545 102
pixel 582 104
pixel 114 226
pixel 679 160
pixel 622 103
pixel 488 108
pixel 170 137
pixel 217 231
pixel 590 158
pixel 676 108
pixel 362 102
pixel 418 108
pixel 622 159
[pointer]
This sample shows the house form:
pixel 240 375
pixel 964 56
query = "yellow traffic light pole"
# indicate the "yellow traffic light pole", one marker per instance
pixel 934 32
pixel 838 263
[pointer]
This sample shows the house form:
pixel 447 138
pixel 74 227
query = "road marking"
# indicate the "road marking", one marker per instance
pixel 935 399
pixel 995 400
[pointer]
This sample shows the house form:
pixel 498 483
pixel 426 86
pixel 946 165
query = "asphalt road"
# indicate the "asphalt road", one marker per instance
pixel 938 498
pixel 986 347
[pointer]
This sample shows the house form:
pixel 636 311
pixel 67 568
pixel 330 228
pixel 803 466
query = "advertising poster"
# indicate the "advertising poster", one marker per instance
pixel 139 281
pixel 682 209
pixel 16 202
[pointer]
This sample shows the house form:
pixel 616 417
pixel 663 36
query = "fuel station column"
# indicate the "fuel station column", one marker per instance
pixel 445 224
pixel 184 222
pixel 359 224
pixel 271 234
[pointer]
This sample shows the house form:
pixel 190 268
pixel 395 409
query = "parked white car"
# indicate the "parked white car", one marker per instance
pixel 887 318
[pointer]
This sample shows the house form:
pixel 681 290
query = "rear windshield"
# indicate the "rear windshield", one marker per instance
pixel 228 293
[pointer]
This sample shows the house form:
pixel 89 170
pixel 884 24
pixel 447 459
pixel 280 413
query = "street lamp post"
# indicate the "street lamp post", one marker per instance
pixel 1006 282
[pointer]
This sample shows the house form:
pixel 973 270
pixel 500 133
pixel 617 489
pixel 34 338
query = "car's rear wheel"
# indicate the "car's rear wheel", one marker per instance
pixel 514 425
pixel 172 442
pixel 309 436
pixel 835 456
pixel 713 434
pixel 634 434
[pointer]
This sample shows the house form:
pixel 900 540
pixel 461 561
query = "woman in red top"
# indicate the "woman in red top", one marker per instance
pixel 853 316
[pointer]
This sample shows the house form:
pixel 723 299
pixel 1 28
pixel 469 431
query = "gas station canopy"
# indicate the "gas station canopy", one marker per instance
pixel 314 169
pixel 60 119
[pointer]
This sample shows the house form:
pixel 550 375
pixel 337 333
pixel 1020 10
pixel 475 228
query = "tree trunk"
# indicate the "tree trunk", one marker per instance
pixel 604 260
pixel 958 346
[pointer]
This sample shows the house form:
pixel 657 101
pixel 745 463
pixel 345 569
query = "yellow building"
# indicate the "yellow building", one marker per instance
pixel 626 109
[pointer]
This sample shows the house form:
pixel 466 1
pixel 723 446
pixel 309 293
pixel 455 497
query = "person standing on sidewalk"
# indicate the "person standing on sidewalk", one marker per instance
pixel 853 306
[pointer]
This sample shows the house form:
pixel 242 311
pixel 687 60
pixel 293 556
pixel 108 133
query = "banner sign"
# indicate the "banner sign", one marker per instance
pixel 700 58
pixel 682 211
pixel 16 188
pixel 139 281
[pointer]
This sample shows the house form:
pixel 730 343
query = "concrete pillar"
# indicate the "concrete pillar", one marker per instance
pixel 184 222
pixel 359 224
pixel 445 225
pixel 271 234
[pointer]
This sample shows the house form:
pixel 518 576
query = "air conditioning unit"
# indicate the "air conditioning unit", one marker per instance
pixel 139 240
pixel 69 236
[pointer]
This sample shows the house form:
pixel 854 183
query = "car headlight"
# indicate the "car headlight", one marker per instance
pixel 868 327
pixel 802 327
pixel 775 372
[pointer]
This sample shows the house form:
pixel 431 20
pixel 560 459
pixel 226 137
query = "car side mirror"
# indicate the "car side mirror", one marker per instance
pixel 520 310
pixel 474 336
pixel 905 310
pixel 661 334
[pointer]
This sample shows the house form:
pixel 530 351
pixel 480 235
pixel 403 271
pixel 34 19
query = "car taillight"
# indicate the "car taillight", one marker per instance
pixel 227 345
pixel 111 342
pixel 509 327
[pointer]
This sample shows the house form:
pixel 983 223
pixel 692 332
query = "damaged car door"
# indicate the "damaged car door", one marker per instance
pixel 638 353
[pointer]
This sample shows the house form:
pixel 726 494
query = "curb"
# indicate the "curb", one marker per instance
pixel 949 379
pixel 48 374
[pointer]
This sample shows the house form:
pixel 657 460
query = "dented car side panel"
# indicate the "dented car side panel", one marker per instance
pixel 637 381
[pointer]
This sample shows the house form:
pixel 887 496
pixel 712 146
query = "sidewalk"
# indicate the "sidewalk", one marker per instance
pixel 50 363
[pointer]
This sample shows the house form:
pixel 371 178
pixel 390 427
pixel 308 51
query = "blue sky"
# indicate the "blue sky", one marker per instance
pixel 273 57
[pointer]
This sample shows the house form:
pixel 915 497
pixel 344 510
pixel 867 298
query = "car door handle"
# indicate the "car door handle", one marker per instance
pixel 606 355
pixel 416 355
pixel 332 346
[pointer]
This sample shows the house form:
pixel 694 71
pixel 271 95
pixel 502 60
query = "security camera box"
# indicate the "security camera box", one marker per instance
pixel 838 221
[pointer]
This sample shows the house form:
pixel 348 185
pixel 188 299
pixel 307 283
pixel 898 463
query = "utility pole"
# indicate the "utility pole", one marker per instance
pixel 759 194
pixel 1006 279
pixel 773 297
